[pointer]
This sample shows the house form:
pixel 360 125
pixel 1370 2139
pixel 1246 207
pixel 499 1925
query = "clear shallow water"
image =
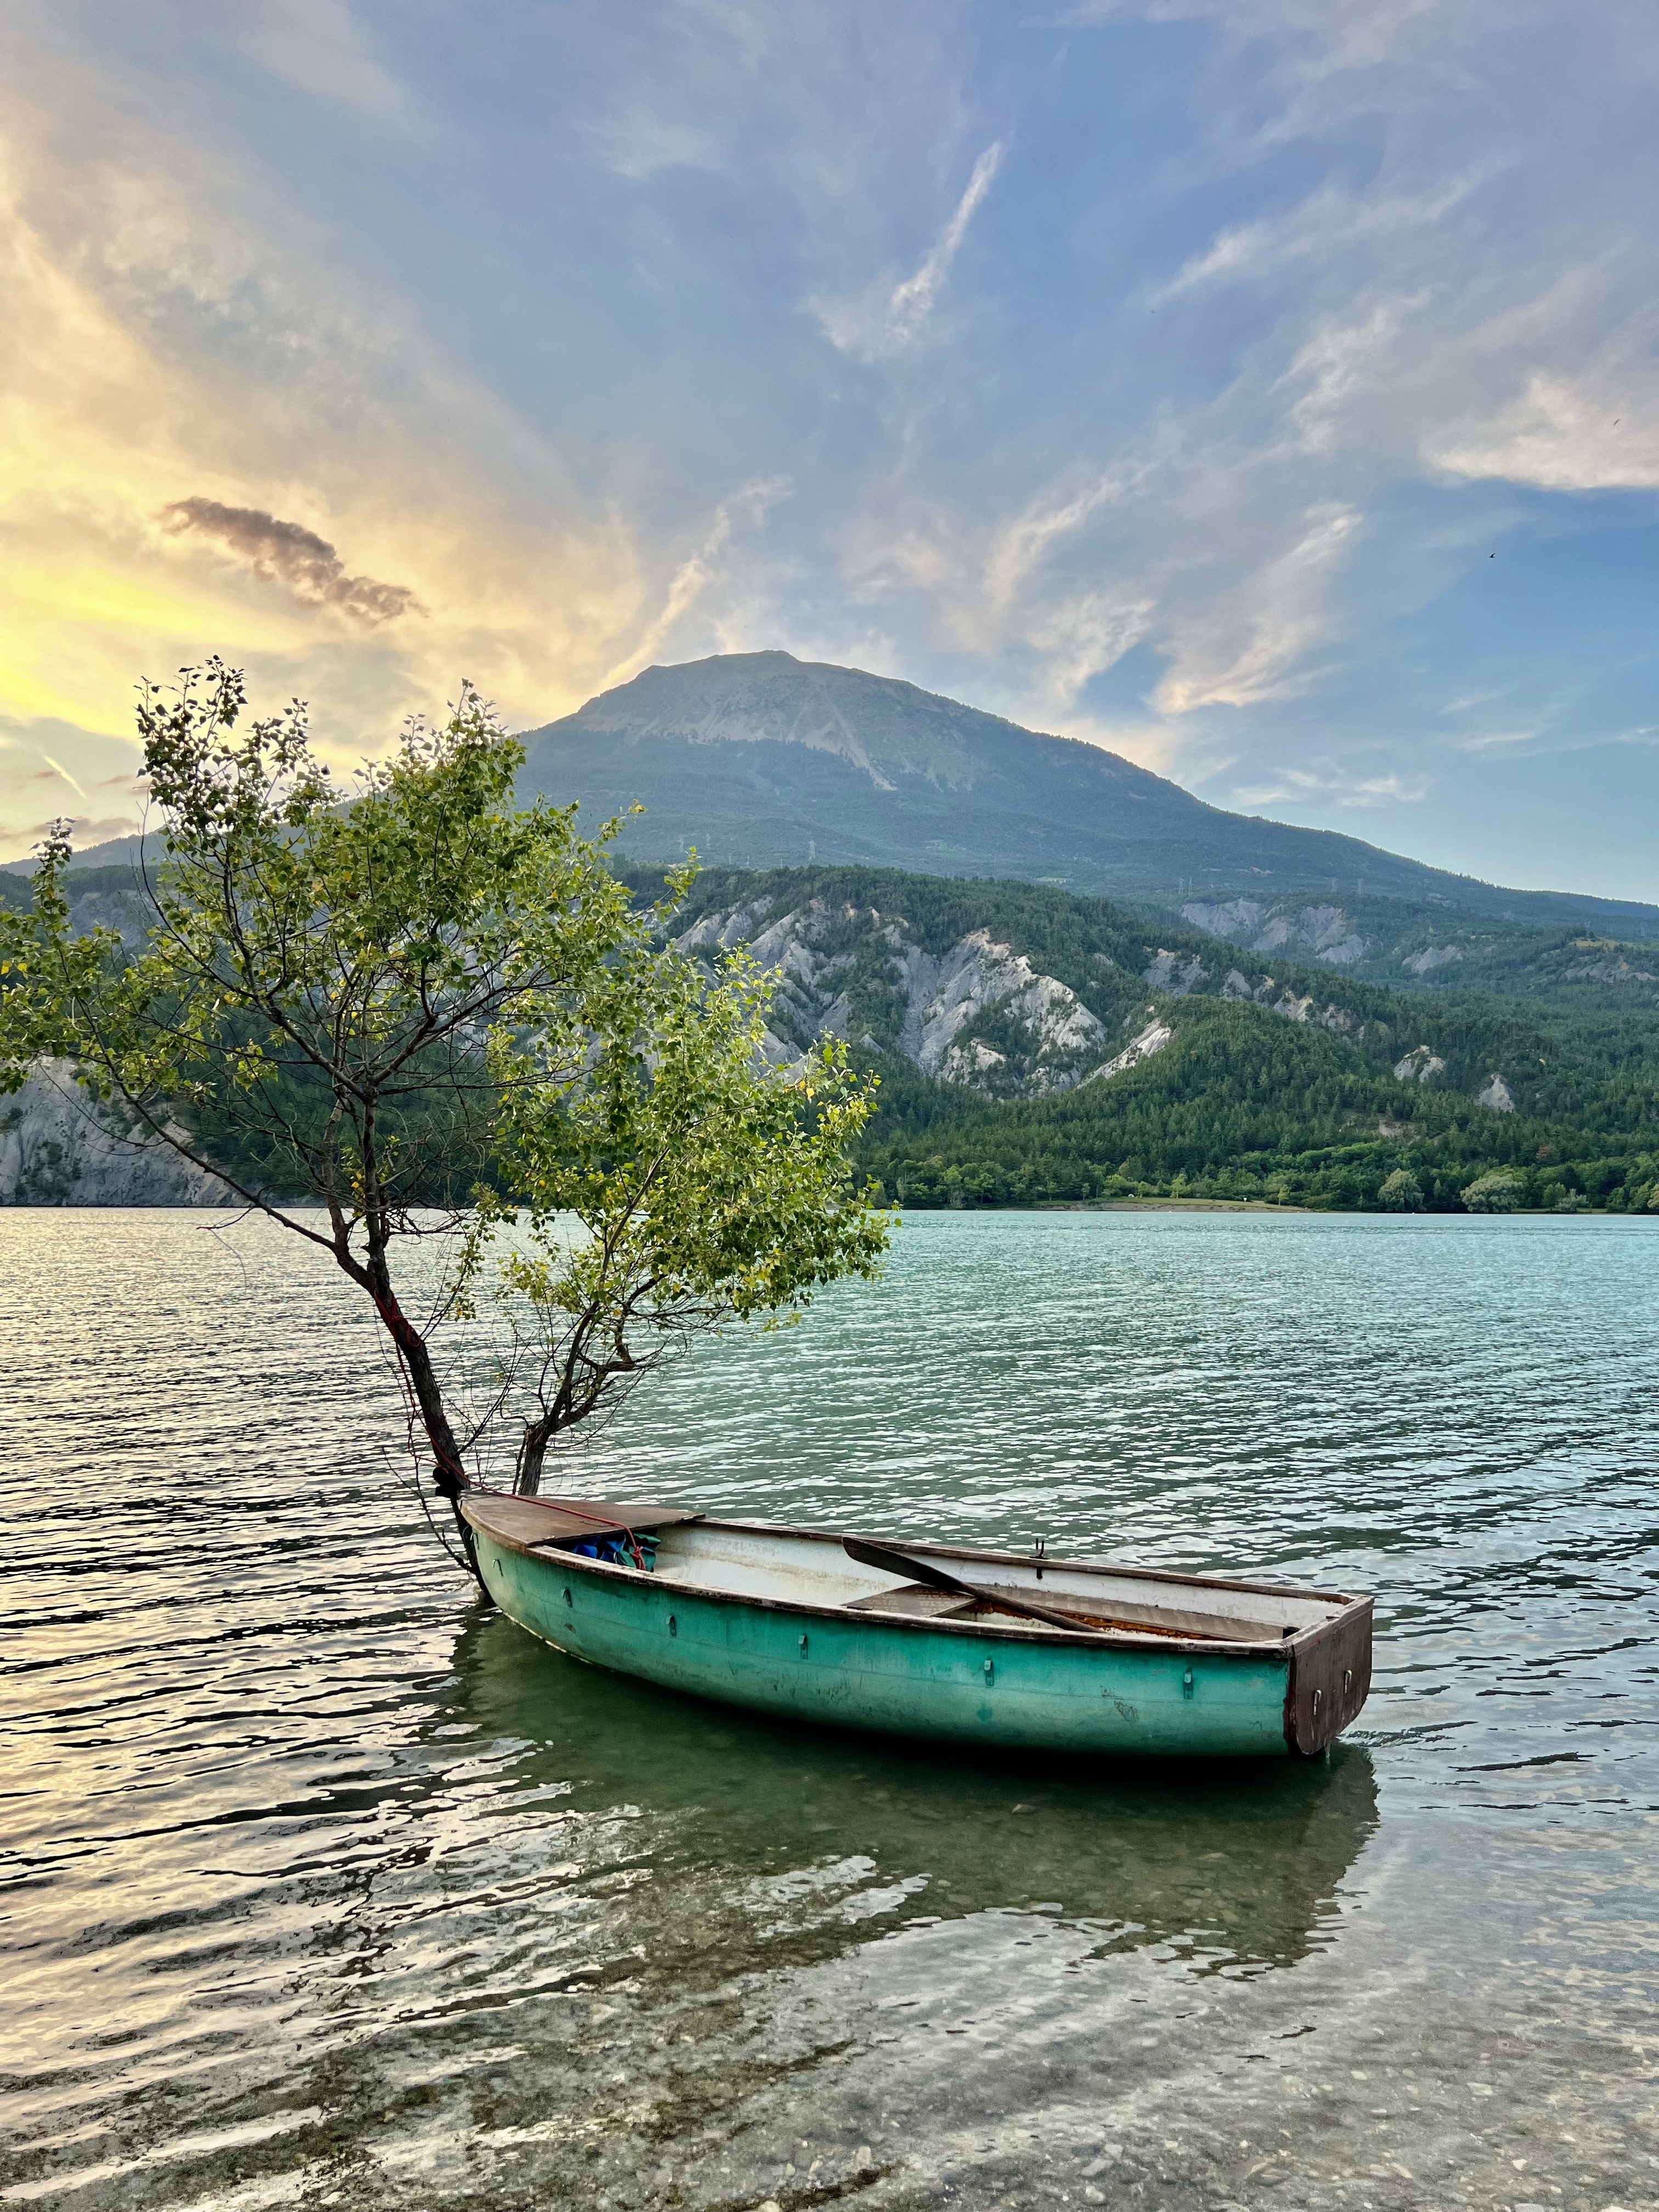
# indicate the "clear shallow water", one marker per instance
pixel 324 1884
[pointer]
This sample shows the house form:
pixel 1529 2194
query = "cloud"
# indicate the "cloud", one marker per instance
pixel 1327 222
pixel 1020 547
pixel 319 47
pixel 165 325
pixel 693 576
pixel 287 554
pixel 1343 364
pixel 1598 432
pixel 639 144
pixel 1496 741
pixel 887 318
pixel 1338 785
pixel 1249 644
pixel 1082 638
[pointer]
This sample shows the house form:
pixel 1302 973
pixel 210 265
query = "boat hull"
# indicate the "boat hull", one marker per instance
pixel 1087 1696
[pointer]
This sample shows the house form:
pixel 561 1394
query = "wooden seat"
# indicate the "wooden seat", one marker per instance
pixel 538 1521
pixel 914 1601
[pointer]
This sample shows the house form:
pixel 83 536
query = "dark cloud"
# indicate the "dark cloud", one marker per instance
pixel 284 553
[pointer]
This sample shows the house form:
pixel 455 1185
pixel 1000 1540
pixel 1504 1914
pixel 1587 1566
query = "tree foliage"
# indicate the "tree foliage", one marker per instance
pixel 377 996
pixel 682 1186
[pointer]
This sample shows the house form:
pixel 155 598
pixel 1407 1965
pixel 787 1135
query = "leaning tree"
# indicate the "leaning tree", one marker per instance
pixel 432 1012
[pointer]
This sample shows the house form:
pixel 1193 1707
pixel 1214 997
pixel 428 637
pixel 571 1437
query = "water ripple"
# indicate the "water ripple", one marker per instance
pixel 319 1883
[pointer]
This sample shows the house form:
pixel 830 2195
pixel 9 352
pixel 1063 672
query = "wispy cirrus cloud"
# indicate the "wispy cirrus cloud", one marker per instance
pixel 1331 222
pixel 1252 645
pixel 1335 784
pixel 694 575
pixel 319 47
pixel 1491 741
pixel 889 317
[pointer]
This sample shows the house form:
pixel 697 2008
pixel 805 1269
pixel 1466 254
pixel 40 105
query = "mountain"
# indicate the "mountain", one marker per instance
pixel 759 759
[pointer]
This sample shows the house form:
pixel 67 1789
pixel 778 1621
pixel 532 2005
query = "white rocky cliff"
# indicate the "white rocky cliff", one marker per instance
pixel 60 1147
pixel 1323 932
pixel 1047 1040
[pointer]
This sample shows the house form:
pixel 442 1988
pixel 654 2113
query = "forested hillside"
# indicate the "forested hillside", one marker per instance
pixel 1036 1046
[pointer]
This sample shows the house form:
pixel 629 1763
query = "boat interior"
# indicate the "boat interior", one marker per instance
pixel 807 1567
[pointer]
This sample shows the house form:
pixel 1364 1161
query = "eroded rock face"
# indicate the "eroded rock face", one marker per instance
pixel 1610 971
pixel 60 1147
pixel 1419 1065
pixel 1497 1096
pixel 1430 958
pixel 1168 971
pixel 1047 1040
pixel 978 977
pixel 1324 931
pixel 1289 1007
pixel 1153 1038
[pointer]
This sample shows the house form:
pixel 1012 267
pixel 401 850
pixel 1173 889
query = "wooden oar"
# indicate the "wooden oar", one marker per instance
pixel 921 1570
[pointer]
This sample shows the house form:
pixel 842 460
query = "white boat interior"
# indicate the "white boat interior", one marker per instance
pixel 802 1567
pixel 811 1568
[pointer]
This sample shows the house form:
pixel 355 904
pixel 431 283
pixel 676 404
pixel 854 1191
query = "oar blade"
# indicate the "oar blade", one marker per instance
pixel 902 1564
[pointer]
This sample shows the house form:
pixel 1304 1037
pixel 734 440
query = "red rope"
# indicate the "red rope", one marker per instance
pixel 411 1402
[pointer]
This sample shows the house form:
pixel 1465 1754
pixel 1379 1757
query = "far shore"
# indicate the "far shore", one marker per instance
pixel 1175 1206
pixel 1265 1206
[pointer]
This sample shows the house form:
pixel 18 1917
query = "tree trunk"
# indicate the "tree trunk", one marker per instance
pixel 448 1476
pixel 532 1455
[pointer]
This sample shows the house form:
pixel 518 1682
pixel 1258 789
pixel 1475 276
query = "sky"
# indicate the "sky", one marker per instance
pixel 1268 390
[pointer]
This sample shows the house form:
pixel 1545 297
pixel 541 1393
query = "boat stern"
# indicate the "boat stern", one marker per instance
pixel 1330 1678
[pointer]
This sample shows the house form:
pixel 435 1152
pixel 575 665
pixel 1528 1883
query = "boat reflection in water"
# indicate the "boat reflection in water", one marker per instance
pixel 752 1827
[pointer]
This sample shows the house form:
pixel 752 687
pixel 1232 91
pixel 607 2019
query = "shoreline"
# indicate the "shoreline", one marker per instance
pixel 1270 1205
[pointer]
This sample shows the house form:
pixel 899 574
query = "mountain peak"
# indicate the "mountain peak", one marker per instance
pixel 759 759
pixel 888 729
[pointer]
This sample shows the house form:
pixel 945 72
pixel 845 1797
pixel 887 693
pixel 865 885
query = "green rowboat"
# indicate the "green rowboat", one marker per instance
pixel 963 1646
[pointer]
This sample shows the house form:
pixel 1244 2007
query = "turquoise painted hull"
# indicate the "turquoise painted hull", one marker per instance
pixel 951 1682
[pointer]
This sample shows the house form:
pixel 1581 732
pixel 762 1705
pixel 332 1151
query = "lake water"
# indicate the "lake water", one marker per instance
pixel 326 1885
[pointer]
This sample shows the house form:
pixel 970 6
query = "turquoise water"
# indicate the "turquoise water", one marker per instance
pixel 326 1885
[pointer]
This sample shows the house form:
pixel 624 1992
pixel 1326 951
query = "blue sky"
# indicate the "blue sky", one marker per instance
pixel 1268 390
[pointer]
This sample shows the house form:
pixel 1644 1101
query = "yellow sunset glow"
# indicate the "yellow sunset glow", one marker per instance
pixel 103 427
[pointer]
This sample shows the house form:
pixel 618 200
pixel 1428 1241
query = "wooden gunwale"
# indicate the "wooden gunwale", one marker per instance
pixel 1033 1632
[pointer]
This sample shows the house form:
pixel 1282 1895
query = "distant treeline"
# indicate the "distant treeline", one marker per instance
pixel 1243 1104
